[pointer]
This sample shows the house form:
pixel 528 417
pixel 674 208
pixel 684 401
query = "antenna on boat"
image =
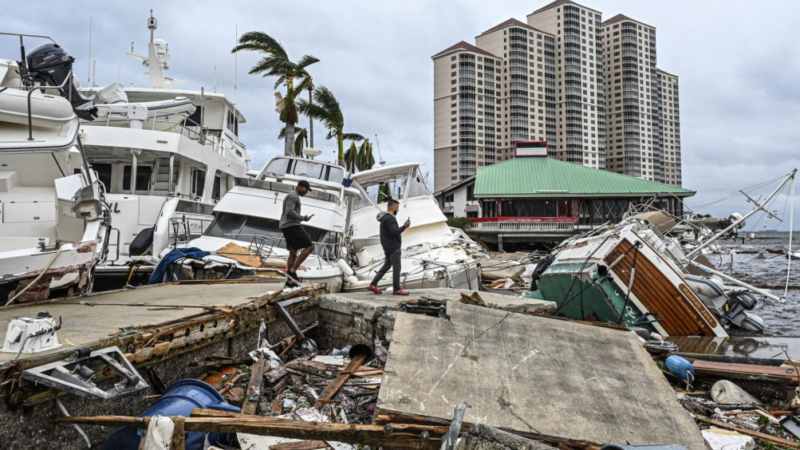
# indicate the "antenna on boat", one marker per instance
pixel 94 72
pixel 235 68
pixel 215 79
pixel 377 144
pixel 152 24
pixel 89 71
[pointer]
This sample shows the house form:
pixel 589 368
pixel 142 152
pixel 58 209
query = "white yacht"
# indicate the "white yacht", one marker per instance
pixel 433 254
pixel 54 225
pixel 249 214
pixel 165 157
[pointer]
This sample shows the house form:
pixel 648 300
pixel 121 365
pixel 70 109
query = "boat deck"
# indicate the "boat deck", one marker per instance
pixel 83 325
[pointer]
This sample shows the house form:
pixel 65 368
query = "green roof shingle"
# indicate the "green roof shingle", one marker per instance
pixel 548 176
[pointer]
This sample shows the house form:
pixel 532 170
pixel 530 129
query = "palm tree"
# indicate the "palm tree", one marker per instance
pixel 327 110
pixel 300 140
pixel 365 158
pixel 276 63
pixel 351 158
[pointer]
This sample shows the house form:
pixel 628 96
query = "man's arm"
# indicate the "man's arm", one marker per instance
pixel 391 226
pixel 290 202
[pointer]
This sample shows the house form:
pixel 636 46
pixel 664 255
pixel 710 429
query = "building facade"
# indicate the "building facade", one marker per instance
pixel 579 74
pixel 590 89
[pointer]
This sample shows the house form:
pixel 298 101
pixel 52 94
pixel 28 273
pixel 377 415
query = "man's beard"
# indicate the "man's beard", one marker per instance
pixel 394 213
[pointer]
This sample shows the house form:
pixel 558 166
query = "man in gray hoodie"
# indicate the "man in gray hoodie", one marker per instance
pixel 391 241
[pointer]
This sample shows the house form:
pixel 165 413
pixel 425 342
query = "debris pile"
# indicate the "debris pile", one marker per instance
pixel 339 387
pixel 509 271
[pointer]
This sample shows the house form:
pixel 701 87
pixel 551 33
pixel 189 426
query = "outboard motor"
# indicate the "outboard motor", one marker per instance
pixel 738 303
pixel 51 65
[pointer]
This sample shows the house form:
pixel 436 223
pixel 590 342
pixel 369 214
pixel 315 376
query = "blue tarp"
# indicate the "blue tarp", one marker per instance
pixel 173 256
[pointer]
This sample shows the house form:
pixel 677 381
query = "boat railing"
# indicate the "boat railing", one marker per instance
pixel 265 244
pixel 184 229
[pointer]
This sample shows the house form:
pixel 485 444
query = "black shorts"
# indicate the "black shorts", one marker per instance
pixel 296 237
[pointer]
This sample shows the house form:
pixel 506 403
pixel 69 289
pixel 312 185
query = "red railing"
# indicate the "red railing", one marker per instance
pixel 525 219
pixel 524 224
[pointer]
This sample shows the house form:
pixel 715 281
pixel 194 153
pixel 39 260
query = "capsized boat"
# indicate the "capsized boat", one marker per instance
pixel 55 222
pixel 433 254
pixel 622 276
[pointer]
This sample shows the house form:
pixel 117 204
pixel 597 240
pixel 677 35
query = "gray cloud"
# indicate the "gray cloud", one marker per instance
pixel 738 65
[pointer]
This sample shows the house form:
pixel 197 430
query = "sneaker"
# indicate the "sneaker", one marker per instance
pixel 374 289
pixel 401 292
pixel 290 284
pixel 294 276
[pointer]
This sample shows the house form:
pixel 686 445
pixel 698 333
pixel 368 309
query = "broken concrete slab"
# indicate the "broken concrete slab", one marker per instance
pixel 360 317
pixel 532 375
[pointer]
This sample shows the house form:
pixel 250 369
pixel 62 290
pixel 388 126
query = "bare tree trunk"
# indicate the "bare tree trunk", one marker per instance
pixel 310 120
pixel 288 148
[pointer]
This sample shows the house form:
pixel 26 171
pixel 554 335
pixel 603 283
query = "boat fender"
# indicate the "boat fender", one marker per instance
pixel 753 323
pixel 348 271
pixel 680 367
pixel 350 280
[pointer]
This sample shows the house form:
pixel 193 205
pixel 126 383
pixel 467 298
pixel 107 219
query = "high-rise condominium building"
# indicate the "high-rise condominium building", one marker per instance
pixel 489 96
pixel 589 88
pixel 579 73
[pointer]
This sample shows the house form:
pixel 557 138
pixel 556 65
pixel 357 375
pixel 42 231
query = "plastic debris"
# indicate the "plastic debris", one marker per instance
pixel 719 439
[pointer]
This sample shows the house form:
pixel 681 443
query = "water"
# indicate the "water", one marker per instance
pixel 780 319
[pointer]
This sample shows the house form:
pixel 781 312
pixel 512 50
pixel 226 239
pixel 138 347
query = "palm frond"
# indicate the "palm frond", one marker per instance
pixel 301 141
pixel 306 61
pixel 260 41
pixel 352 137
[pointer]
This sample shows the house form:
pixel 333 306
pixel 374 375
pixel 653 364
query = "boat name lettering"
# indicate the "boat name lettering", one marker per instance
pixel 114 207
pixel 698 305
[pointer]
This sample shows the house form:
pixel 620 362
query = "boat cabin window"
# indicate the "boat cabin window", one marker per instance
pixel 232 123
pixel 103 172
pixel 244 228
pixel 196 117
pixel 306 168
pixel 194 208
pixel 198 182
pixel 143 174
pixel 215 194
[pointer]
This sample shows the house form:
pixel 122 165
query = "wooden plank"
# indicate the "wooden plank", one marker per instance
pixel 733 370
pixel 300 445
pixel 372 435
pixel 275 375
pixel 334 386
pixel 253 392
pixel 755 434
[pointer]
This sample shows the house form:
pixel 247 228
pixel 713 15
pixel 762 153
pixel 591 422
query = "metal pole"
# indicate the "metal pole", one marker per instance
pixel 759 206
pixel 763 292
pixel 171 169
pixel 135 161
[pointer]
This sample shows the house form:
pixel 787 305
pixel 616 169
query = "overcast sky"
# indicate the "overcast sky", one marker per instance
pixel 739 69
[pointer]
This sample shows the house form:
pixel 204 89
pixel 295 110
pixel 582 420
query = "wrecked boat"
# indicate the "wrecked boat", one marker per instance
pixel 245 233
pixel 622 276
pixel 55 220
pixel 433 254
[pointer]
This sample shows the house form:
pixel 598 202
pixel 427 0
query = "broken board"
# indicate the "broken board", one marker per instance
pixel 532 375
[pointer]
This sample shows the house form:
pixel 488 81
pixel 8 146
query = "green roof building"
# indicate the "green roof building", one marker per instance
pixel 545 199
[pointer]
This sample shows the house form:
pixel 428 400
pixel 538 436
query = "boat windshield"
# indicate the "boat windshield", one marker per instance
pixel 305 168
pixel 398 186
pixel 244 228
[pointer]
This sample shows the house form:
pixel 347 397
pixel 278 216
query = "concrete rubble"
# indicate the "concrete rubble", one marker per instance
pixel 532 381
